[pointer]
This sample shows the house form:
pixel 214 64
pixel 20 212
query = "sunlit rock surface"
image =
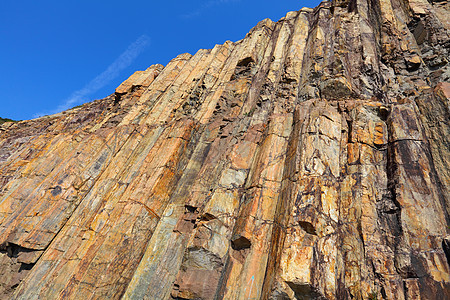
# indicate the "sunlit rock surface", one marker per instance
pixel 310 160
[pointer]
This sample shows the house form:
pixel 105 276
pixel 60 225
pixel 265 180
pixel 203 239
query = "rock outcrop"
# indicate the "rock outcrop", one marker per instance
pixel 310 160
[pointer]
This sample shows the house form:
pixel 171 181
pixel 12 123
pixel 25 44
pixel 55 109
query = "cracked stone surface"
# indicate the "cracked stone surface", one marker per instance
pixel 309 160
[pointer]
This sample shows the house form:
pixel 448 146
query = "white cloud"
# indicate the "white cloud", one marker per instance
pixel 207 5
pixel 113 70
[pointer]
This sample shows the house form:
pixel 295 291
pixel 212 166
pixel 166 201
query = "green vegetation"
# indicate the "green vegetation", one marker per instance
pixel 78 106
pixel 4 120
pixel 373 296
pixel 250 113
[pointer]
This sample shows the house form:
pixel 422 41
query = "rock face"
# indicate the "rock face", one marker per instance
pixel 309 160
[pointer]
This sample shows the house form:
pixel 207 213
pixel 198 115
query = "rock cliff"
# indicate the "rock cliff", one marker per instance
pixel 309 160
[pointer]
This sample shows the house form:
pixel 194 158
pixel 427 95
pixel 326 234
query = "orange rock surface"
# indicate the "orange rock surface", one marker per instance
pixel 309 160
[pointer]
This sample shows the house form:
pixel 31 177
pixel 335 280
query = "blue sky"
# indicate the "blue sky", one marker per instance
pixel 58 54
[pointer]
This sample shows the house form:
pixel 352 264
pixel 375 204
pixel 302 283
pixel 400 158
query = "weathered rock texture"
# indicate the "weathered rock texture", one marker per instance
pixel 309 160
